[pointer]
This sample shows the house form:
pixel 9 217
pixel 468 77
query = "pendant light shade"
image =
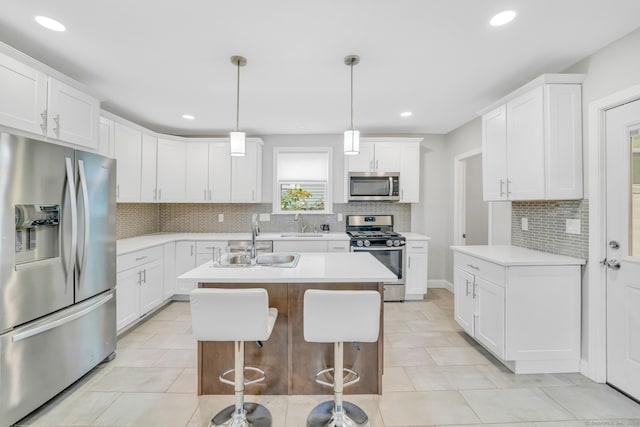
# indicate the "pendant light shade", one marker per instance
pixel 351 142
pixel 351 136
pixel 237 138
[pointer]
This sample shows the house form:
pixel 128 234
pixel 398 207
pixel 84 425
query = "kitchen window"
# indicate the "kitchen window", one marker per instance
pixel 302 181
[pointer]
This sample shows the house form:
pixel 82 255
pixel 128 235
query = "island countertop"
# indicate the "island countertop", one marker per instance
pixel 507 255
pixel 332 267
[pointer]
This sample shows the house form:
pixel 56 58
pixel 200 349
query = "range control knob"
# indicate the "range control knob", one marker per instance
pixel 389 242
pixel 359 243
pixel 367 243
pixel 396 243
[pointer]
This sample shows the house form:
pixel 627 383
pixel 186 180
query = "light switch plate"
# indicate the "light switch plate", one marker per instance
pixel 265 217
pixel 573 226
pixel 220 217
pixel 524 222
pixel 339 217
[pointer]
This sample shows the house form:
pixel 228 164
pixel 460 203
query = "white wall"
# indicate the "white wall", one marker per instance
pixel 431 215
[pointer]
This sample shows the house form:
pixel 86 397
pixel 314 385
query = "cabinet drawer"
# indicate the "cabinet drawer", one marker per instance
pixel 206 246
pixel 418 246
pixel 133 259
pixel 338 246
pixel 478 267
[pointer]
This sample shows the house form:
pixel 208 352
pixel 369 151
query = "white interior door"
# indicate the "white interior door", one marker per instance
pixel 623 247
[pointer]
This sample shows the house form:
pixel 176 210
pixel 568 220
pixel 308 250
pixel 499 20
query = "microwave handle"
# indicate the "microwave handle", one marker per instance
pixel 390 186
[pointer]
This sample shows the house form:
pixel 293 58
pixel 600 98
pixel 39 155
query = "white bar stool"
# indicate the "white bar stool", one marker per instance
pixel 339 317
pixel 237 315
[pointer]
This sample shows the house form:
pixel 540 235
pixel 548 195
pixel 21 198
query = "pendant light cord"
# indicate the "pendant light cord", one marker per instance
pixel 351 66
pixel 238 99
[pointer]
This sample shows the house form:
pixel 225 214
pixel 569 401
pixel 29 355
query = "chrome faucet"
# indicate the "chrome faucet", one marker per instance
pixel 255 232
pixel 302 227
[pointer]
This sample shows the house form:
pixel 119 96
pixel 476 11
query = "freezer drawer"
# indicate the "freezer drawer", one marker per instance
pixel 42 358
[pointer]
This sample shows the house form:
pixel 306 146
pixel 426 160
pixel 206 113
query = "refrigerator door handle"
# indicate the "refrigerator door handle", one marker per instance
pixel 59 322
pixel 74 218
pixel 87 216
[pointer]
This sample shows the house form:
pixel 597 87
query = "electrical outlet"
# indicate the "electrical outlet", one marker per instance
pixel 573 226
pixel 524 223
pixel 265 217
pixel 220 217
pixel 339 217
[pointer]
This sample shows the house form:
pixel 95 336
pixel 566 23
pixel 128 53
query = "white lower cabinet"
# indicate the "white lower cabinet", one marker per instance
pixel 204 250
pixel 338 246
pixel 417 265
pixel 185 261
pixel 169 269
pixel 139 285
pixel 526 315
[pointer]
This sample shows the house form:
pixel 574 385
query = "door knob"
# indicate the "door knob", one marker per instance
pixel 613 264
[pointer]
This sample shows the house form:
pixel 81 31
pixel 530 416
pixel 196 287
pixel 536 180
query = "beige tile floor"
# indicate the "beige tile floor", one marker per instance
pixel 434 375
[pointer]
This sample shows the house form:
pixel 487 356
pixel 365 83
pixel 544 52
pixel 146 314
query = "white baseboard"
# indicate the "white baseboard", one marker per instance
pixel 445 284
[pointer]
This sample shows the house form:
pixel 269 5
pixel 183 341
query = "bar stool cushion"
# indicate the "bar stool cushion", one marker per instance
pixel 231 314
pixel 341 316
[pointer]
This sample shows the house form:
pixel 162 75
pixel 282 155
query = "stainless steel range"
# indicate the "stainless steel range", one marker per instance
pixel 374 234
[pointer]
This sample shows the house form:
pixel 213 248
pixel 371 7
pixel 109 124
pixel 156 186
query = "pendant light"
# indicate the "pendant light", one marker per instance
pixel 236 136
pixel 351 136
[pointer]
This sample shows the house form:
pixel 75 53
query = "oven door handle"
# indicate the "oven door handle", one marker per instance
pixel 368 248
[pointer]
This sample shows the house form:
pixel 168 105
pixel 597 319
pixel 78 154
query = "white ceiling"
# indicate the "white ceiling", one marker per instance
pixel 153 60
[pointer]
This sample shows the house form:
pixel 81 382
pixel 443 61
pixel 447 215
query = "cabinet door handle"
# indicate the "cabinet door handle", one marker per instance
pixel 501 187
pixel 144 272
pixel 409 259
pixel 474 289
pixel 467 286
pixel 191 250
pixel 205 194
pixel 253 194
pixel 139 277
pixel 376 165
pixel 508 191
pixel 402 194
pixel 209 194
pixel 118 191
pixel 160 194
pixel 43 125
pixel 475 267
pixel 140 258
pixel 56 129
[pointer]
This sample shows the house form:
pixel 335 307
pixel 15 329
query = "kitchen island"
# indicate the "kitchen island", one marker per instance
pixel 289 361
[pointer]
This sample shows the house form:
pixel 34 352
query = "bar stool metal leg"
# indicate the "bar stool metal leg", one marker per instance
pixel 338 413
pixel 241 414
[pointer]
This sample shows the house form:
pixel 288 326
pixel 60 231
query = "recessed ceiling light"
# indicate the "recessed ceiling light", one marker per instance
pixel 406 114
pixel 50 23
pixel 188 116
pixel 503 18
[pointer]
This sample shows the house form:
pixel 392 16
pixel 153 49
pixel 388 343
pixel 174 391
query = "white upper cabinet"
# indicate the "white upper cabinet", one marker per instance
pixel 246 174
pixel 220 172
pixel 172 155
pixel 197 177
pixel 389 155
pixel 148 188
pixel 23 102
pixel 128 152
pixel 106 146
pixel 532 142
pixel 73 116
pixel 33 102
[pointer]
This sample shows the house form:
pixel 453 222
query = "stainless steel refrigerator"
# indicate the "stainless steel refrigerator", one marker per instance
pixel 57 270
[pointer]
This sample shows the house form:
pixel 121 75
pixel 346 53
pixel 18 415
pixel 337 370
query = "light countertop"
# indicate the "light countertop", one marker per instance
pixel 312 267
pixel 132 244
pixel 507 255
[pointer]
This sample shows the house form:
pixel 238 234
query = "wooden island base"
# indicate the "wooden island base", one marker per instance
pixel 289 361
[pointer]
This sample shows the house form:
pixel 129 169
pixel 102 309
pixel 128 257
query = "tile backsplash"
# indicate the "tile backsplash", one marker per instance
pixel 547 222
pixel 134 219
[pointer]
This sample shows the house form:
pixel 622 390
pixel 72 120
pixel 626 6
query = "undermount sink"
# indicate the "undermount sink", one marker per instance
pixel 280 260
pixel 305 235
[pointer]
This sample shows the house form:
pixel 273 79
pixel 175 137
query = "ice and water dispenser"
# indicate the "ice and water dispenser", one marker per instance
pixel 37 232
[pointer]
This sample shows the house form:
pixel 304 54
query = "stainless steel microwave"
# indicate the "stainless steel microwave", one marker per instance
pixel 374 186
